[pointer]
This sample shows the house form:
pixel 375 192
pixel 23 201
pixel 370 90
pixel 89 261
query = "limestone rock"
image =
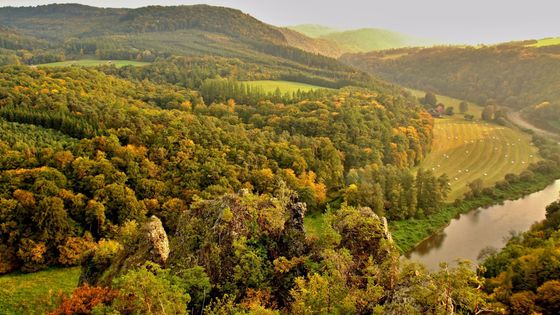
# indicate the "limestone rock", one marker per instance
pixel 157 241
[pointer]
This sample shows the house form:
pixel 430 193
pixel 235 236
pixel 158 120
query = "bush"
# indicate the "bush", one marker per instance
pixel 522 302
pixel 84 299
pixel 32 255
pixel 74 248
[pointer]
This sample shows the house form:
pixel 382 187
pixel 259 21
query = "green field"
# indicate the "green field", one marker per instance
pixel 546 42
pixel 284 86
pixel 94 63
pixel 468 150
pixel 33 293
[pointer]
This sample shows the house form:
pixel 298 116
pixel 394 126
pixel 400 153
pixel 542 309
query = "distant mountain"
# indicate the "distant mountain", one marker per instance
pixel 370 39
pixel 314 45
pixel 314 30
pixel 362 40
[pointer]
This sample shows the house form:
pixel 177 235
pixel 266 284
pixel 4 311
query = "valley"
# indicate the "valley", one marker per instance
pixel 195 159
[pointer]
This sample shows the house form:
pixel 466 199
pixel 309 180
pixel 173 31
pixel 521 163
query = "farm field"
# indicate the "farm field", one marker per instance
pixel 469 150
pixel 94 63
pixel 31 293
pixel 284 86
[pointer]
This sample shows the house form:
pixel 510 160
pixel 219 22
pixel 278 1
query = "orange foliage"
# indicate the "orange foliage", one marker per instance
pixel 84 299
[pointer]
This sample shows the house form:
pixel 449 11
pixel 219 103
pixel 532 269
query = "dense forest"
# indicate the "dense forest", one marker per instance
pixel 525 275
pixel 179 187
pixel 512 75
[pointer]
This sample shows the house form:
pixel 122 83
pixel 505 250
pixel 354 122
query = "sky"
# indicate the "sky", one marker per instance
pixel 453 21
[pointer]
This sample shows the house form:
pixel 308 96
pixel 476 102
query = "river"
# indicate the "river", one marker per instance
pixel 468 234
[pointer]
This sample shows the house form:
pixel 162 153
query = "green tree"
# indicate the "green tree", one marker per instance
pixel 463 107
pixel 430 99
pixel 488 113
pixel 150 290
pixel 449 110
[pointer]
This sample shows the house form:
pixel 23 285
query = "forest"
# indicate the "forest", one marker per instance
pixel 178 187
pixel 513 75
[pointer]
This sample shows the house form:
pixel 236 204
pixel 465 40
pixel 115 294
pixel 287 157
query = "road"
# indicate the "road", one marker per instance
pixel 515 117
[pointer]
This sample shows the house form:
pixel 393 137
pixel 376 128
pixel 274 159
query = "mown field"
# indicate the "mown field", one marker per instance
pixel 469 150
pixel 284 86
pixel 34 293
pixel 94 63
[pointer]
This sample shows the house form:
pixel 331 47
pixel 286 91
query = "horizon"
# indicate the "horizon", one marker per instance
pixel 438 20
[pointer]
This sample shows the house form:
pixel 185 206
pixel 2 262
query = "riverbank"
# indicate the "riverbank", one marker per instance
pixel 409 233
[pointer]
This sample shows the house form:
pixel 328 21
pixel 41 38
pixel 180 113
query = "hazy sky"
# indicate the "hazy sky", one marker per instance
pixel 468 21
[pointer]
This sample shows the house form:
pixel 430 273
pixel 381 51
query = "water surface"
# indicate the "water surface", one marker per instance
pixel 467 235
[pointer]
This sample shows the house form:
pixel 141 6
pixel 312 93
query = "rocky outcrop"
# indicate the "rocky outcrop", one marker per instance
pixel 297 210
pixel 155 241
pixel 150 244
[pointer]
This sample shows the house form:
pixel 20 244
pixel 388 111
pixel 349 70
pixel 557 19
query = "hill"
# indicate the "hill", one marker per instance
pixel 147 34
pixel 73 20
pixel 361 40
pixel 314 45
pixel 512 75
pixel 314 30
pixel 370 39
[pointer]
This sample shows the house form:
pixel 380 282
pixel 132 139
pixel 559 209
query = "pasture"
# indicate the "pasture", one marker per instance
pixel 34 293
pixel 469 150
pixel 270 86
pixel 94 63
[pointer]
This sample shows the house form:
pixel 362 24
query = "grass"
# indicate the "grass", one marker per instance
pixel 469 150
pixel 474 109
pixel 94 63
pixel 33 292
pixel 546 42
pixel 284 86
pixel 314 224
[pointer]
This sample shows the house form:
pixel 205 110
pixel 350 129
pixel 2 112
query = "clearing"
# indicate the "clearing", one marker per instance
pixel 34 293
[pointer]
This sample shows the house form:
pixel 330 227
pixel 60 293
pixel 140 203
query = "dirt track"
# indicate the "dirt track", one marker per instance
pixel 515 117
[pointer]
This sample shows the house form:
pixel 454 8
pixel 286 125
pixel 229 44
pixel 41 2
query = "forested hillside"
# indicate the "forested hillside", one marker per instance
pixel 525 275
pixel 95 161
pixel 179 185
pixel 74 31
pixel 513 75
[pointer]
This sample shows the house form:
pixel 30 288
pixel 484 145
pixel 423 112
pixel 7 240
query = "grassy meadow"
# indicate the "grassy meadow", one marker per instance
pixel 94 63
pixel 284 86
pixel 469 150
pixel 546 42
pixel 33 293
